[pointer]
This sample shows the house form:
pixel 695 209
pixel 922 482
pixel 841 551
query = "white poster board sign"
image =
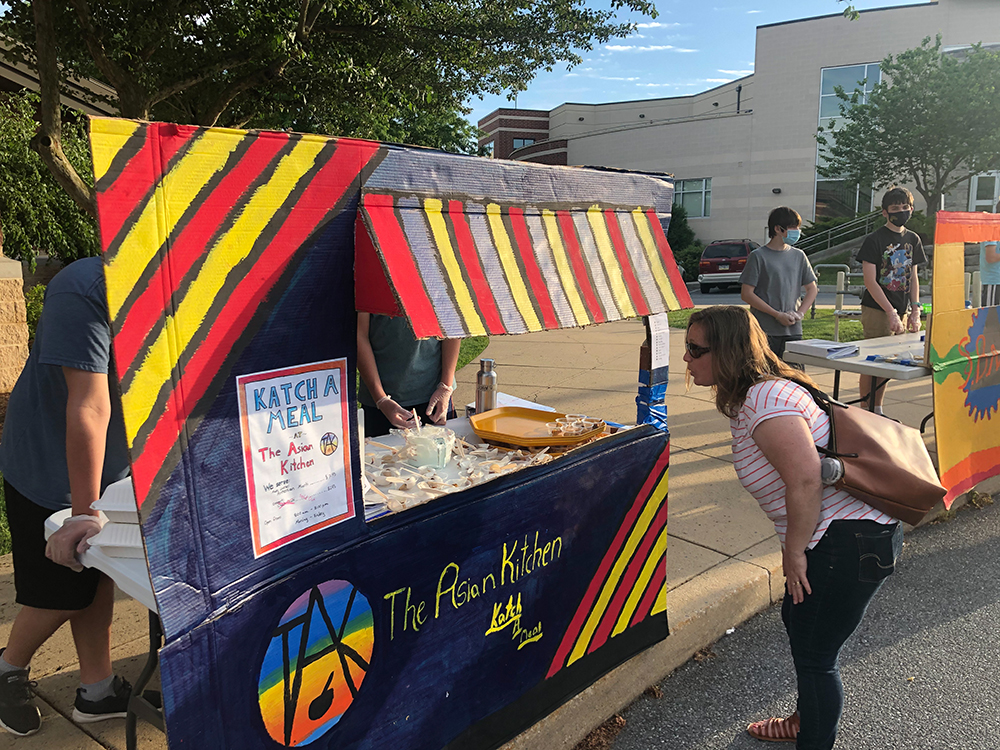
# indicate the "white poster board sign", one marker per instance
pixel 296 451
pixel 659 340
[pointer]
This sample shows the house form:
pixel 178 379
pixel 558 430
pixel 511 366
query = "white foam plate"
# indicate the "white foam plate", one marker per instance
pixel 119 540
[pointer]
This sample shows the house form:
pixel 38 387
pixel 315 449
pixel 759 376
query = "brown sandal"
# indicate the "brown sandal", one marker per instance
pixel 776 730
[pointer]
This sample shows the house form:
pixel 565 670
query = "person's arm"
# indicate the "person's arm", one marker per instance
pixel 368 368
pixel 913 318
pixel 749 295
pixel 991 253
pixel 787 444
pixel 88 413
pixel 872 285
pixel 437 406
pixel 811 291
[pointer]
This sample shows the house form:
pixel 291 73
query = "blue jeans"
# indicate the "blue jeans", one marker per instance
pixel 845 569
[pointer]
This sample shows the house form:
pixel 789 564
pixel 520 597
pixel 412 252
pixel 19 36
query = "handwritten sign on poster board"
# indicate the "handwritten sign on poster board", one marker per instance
pixel 296 455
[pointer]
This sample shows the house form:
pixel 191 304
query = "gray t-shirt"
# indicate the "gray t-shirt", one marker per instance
pixel 409 369
pixel 73 331
pixel 777 277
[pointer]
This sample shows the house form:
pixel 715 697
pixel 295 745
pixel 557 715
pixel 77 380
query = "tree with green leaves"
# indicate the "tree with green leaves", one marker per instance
pixel 679 233
pixel 333 66
pixel 933 120
pixel 35 213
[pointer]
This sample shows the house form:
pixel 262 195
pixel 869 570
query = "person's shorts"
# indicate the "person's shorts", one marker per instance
pixel 875 322
pixel 39 582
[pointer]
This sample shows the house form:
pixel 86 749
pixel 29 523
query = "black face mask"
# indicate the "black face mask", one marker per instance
pixel 899 218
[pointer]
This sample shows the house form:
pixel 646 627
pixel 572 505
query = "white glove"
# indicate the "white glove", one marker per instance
pixel 437 407
pixel 71 539
pixel 398 416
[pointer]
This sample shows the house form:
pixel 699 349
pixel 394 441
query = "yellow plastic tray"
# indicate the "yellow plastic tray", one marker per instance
pixel 516 425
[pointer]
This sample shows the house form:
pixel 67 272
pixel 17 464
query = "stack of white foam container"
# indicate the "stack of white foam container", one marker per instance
pixel 120 536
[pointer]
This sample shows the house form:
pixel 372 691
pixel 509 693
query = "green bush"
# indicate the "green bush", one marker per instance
pixel 688 258
pixel 33 300
pixel 4 528
pixel 679 232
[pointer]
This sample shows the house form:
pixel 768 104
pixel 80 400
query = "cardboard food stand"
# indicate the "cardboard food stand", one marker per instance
pixel 235 262
pixel 964 353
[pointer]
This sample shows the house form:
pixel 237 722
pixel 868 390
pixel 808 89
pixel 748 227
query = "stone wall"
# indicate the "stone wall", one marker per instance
pixel 13 324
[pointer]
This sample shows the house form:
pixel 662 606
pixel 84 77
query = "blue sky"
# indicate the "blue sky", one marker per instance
pixel 689 47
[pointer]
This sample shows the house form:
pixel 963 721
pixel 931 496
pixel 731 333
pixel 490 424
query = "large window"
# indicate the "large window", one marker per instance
pixel 837 197
pixel 695 196
pixel 984 192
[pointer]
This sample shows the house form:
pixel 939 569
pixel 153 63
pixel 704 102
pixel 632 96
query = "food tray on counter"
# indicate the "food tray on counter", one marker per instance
pixel 516 425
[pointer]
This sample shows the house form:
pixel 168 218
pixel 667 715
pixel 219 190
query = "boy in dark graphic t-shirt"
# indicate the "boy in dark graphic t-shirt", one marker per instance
pixel 889 258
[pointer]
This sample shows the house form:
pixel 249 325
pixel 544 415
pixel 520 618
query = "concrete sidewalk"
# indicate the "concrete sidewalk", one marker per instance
pixel 723 558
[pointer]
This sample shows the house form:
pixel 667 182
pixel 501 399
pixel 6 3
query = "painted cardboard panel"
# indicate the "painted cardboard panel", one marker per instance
pixel 965 357
pixel 229 254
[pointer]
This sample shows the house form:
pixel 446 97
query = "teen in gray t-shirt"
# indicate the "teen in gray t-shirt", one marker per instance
pixel 775 275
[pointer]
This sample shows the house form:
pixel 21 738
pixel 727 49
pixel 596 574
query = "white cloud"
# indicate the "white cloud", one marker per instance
pixel 739 73
pixel 717 80
pixel 657 25
pixel 646 48
pixel 754 11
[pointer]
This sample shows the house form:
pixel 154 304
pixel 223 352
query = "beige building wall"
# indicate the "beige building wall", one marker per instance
pixel 770 146
pixel 13 324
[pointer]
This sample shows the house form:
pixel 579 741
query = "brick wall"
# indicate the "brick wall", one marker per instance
pixel 13 324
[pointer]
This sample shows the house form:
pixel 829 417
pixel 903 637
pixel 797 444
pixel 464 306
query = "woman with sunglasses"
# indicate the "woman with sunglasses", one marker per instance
pixel 836 549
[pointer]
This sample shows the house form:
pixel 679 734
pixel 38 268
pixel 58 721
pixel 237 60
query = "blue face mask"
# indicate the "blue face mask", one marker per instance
pixel 793 236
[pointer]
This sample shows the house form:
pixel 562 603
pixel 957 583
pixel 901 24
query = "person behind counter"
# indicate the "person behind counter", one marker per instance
pixel 836 549
pixel 400 374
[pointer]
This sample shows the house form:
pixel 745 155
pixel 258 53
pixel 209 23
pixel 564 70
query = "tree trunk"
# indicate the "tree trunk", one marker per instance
pixel 48 141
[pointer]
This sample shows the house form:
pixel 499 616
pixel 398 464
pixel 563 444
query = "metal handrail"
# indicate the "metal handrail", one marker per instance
pixel 849 230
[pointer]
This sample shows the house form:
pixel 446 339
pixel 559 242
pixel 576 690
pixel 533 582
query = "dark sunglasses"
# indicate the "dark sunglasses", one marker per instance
pixel 694 350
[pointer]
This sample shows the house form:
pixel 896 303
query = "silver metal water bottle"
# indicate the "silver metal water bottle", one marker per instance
pixel 486 386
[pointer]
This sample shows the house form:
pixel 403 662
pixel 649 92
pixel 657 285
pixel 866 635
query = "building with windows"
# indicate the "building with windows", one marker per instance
pixel 739 149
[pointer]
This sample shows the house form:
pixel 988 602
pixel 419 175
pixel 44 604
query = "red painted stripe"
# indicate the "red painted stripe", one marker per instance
pixel 631 282
pixel 313 207
pixel 579 267
pixel 673 273
pixel 628 581
pixel 531 269
pixel 142 172
pixel 473 267
pixel 189 245
pixel 576 625
pixel 656 584
pixel 402 268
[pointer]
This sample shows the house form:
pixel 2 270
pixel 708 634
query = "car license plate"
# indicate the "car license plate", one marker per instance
pixel 723 266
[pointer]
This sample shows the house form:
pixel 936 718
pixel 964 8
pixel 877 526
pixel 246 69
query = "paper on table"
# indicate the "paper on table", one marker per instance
pixel 822 348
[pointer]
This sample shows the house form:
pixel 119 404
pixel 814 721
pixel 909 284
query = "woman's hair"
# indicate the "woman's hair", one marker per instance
pixel 741 356
pixel 784 217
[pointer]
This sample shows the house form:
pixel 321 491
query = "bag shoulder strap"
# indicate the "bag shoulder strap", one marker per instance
pixel 827 404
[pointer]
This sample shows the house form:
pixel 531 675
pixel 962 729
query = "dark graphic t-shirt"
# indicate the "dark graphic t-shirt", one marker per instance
pixel 894 256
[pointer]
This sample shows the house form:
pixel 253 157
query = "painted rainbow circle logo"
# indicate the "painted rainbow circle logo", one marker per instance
pixel 315 663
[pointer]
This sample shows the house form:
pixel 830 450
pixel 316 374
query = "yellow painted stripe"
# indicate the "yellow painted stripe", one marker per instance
pixel 474 324
pixel 107 138
pixel 648 568
pixel 564 269
pixel 174 193
pixel 617 570
pixel 611 264
pixel 231 249
pixel 655 261
pixel 517 288
pixel 660 605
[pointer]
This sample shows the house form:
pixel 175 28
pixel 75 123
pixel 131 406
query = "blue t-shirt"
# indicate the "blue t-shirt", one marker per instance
pixel 989 272
pixel 74 331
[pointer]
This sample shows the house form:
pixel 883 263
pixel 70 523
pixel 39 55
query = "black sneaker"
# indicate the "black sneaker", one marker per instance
pixel 113 707
pixel 18 714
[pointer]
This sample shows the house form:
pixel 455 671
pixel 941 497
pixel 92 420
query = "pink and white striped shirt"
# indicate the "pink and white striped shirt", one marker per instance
pixel 780 398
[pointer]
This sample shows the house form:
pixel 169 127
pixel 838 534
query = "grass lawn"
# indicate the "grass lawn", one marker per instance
pixel 4 528
pixel 820 327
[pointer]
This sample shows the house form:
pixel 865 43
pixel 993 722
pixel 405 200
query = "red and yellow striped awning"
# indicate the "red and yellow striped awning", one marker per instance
pixel 460 266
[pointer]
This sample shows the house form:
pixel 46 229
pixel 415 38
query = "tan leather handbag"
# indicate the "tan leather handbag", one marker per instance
pixel 886 464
